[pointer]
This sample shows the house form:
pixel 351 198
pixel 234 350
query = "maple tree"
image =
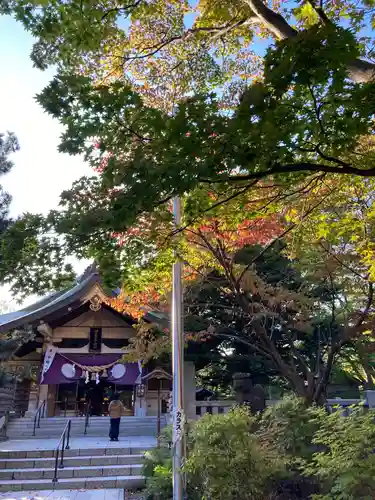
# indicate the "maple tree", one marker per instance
pixel 256 306
pixel 292 123
pixel 260 146
pixel 337 242
pixel 169 48
pixel 294 322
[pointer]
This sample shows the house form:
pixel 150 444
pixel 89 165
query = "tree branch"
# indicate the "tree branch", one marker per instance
pixel 331 158
pixel 236 338
pixel 317 111
pixel 272 20
pixel 213 206
pixel 119 9
pixel 327 372
pixel 301 167
pixel 284 233
pixel 356 273
pixel 370 299
pixel 359 70
pixel 346 336
pixel 320 11
pixel 218 30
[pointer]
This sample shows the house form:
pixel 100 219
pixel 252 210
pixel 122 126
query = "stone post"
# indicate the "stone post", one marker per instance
pixel 48 395
pixel 370 396
pixel 247 394
pixel 33 401
pixel 4 426
pixel 243 387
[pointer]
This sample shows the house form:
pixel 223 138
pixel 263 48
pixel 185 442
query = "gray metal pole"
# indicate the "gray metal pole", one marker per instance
pixel 177 368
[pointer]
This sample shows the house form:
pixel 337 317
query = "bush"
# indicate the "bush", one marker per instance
pixel 329 457
pixel 291 425
pixel 157 468
pixel 159 485
pixel 346 464
pixel 228 462
pixel 291 452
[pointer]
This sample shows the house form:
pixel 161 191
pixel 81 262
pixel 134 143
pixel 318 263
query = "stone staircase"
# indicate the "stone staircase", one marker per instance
pixel 84 468
pixel 52 427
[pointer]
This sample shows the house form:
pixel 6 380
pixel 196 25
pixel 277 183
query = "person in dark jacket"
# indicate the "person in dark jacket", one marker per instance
pixel 115 410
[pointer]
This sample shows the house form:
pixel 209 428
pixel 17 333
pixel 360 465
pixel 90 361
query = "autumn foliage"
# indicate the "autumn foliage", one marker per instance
pixel 259 231
pixel 195 248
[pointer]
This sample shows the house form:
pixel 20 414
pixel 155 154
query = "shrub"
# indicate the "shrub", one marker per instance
pixel 227 461
pixel 159 485
pixel 291 425
pixel 346 464
pixel 291 452
pixel 157 468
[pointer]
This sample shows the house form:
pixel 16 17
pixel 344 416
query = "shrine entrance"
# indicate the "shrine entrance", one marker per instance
pixel 76 399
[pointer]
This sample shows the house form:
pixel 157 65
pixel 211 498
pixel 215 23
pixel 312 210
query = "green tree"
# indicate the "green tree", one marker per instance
pixel 295 126
pixel 296 129
pixel 261 313
pixel 8 145
pixel 290 133
pixel 168 48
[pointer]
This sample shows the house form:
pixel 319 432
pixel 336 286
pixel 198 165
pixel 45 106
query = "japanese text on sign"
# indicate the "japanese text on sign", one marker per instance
pixel 179 422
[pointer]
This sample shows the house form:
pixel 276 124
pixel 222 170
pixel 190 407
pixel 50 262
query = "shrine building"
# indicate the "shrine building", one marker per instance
pixel 75 358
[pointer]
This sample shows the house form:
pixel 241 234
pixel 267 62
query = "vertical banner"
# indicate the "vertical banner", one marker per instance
pixel 140 373
pixel 48 359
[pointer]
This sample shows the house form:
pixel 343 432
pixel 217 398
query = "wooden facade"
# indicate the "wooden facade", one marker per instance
pixel 84 332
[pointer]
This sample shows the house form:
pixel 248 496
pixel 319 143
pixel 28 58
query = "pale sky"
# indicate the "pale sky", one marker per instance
pixel 40 172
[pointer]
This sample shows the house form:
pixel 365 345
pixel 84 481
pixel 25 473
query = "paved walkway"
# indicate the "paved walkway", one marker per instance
pixel 64 495
pixel 78 443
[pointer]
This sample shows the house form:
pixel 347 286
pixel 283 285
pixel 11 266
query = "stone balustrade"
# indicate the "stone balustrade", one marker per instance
pixel 334 404
pixel 213 407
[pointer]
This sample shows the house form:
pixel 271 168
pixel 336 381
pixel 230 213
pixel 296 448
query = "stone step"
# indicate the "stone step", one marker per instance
pixel 82 452
pixel 123 434
pixel 93 432
pixel 60 428
pixel 29 463
pixel 82 419
pixel 79 424
pixel 98 426
pixel 71 472
pixel 99 421
pixel 101 482
pixel 137 431
pixel 83 494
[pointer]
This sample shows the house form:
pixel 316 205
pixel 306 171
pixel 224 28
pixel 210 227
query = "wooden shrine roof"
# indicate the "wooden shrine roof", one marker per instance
pixel 58 304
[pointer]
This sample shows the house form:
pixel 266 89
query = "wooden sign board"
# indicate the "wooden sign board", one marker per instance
pixel 95 340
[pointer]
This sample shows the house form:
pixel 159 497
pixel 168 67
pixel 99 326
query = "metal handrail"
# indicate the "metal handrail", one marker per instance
pixel 40 413
pixel 87 417
pixel 65 438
